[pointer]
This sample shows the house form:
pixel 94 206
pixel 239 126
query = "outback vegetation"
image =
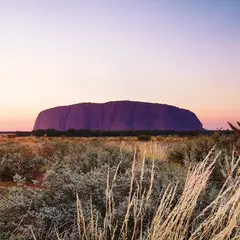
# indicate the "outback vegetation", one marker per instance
pixel 114 133
pixel 120 188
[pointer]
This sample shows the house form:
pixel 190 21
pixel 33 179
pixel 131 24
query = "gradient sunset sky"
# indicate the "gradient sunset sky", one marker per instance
pixel 182 53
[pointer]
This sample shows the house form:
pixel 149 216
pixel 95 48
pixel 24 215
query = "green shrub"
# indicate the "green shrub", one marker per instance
pixel 144 138
pixel 16 158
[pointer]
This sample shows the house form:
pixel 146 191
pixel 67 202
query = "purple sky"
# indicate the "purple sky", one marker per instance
pixel 183 53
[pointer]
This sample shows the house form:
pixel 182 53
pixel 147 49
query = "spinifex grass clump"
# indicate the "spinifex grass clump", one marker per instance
pixel 172 219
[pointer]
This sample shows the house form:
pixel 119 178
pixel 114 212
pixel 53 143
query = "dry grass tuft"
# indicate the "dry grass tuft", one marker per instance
pixel 174 220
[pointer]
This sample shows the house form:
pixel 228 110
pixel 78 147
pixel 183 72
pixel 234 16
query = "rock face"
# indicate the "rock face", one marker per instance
pixel 118 115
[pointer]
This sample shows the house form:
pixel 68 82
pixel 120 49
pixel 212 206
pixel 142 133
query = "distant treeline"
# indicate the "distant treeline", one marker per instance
pixel 110 133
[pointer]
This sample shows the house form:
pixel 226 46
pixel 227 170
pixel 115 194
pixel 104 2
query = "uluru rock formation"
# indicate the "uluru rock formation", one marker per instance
pixel 118 115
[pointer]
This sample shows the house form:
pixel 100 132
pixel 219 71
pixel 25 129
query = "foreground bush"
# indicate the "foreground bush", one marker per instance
pixel 172 219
